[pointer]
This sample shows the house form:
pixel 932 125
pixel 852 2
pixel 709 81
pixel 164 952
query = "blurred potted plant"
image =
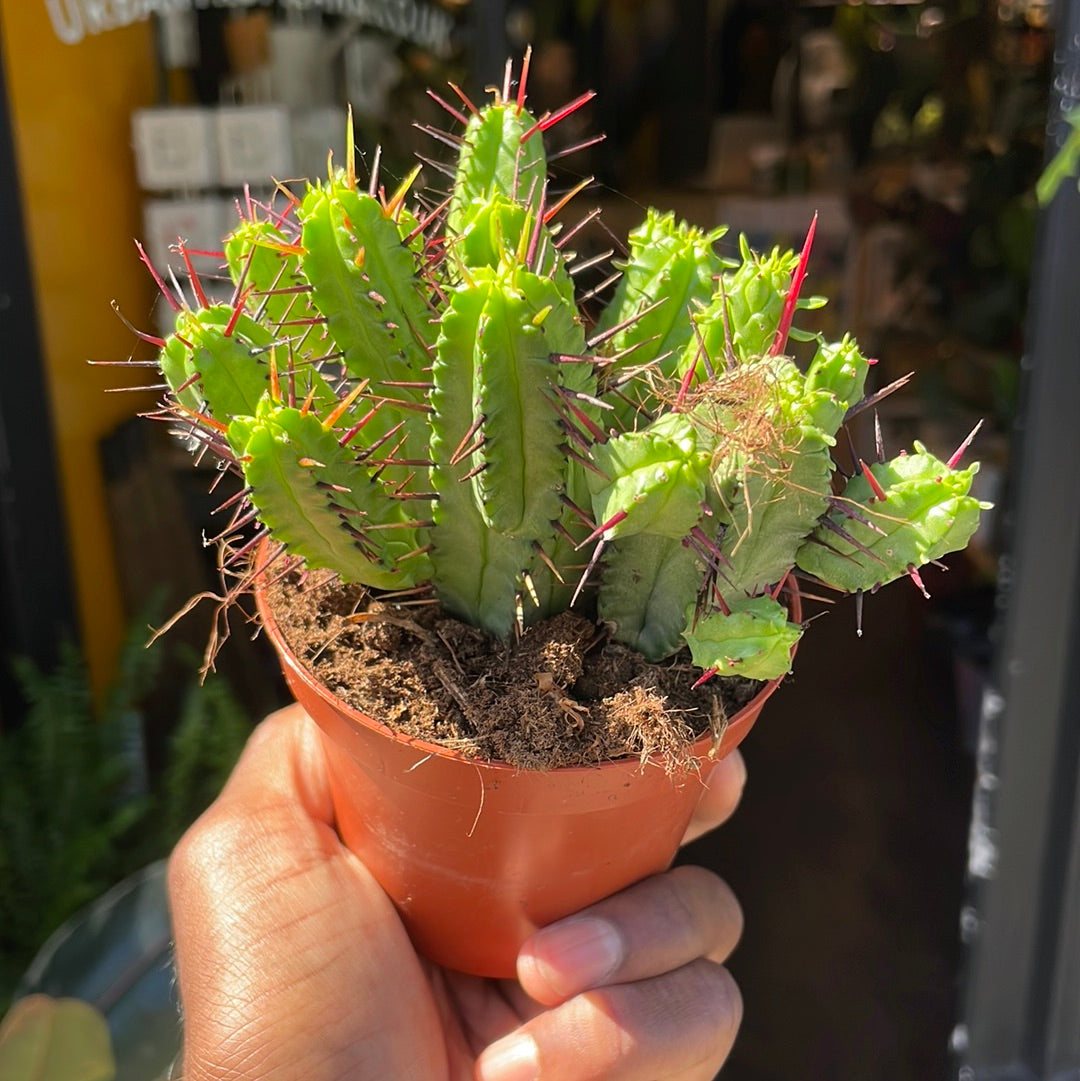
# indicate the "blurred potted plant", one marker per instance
pixel 79 809
pixel 444 453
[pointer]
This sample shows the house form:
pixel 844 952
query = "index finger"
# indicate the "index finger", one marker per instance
pixel 723 790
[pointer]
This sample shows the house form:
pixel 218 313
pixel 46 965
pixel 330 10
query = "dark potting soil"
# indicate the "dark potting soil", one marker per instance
pixel 561 695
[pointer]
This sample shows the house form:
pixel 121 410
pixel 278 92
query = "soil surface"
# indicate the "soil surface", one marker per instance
pixel 562 695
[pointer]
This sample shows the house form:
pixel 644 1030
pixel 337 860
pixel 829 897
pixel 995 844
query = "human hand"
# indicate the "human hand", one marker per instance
pixel 292 962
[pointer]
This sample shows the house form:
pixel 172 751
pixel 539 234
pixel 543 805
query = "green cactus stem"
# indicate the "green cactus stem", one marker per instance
pixel 752 638
pixel 417 399
pixel 891 519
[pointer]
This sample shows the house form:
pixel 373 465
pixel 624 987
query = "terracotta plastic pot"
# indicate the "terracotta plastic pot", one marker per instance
pixel 478 855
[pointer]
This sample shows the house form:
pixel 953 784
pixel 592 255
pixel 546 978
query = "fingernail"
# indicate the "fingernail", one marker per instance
pixel 576 954
pixel 512 1058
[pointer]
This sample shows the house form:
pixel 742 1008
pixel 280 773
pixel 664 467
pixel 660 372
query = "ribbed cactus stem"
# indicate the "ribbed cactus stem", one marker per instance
pixel 416 396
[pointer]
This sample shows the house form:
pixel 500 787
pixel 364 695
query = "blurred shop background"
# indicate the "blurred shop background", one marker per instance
pixel 916 131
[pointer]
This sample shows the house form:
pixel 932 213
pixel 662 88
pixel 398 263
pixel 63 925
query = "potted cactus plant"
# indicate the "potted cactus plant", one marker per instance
pixel 436 430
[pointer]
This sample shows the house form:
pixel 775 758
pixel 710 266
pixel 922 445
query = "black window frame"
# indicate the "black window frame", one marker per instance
pixel 1020 1012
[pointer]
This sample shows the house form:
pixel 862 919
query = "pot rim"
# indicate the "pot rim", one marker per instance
pixel 700 748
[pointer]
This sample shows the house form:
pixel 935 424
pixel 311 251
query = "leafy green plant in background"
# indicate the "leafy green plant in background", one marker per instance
pixel 211 731
pixel 70 797
pixel 1065 164
pixel 77 811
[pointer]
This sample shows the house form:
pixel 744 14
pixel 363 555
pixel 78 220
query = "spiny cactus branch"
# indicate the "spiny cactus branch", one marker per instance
pixel 417 401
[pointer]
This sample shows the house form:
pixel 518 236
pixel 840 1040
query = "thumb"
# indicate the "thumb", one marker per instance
pixel 263 897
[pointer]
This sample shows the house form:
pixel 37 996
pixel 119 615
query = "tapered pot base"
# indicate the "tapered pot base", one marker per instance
pixel 476 855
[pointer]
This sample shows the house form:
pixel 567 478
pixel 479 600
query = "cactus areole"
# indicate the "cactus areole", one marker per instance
pixel 429 407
